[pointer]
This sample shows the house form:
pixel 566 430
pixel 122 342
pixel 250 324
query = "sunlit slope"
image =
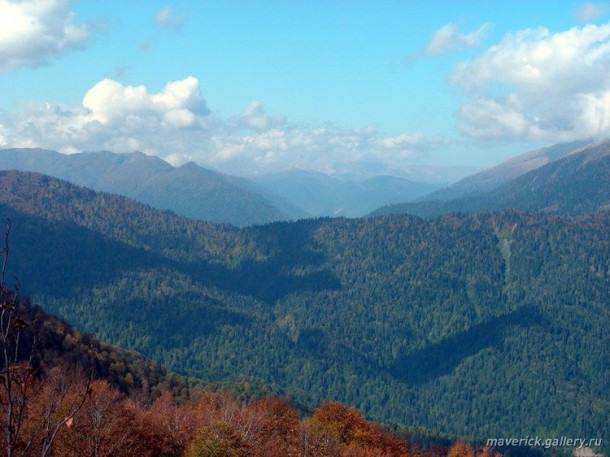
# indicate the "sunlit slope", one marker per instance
pixel 575 184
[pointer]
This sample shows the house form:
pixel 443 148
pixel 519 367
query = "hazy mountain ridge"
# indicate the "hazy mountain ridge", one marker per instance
pixel 575 184
pixel 189 190
pixel 319 194
pixel 199 193
pixel 413 321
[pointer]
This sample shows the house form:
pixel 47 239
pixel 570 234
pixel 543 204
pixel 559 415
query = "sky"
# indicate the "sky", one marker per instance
pixel 251 87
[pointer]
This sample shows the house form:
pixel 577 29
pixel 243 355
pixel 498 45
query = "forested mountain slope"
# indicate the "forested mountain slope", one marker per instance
pixel 494 177
pixel 483 325
pixel 188 190
pixel 66 394
pixel 58 345
pixel 576 184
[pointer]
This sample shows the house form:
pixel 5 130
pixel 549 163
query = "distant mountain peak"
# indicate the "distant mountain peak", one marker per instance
pixel 577 182
pixel 190 165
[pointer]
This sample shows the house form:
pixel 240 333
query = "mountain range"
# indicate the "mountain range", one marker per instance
pixel 466 323
pixel 573 181
pixel 189 190
pixel 512 168
pixel 198 193
pixel 318 194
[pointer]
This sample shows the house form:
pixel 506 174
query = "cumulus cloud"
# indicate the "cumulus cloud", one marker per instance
pixel 33 32
pixel 179 104
pixel 176 124
pixel 254 117
pixel 113 116
pixel 540 86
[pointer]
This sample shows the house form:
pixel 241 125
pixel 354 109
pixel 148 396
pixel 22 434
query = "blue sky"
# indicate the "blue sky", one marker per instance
pixel 250 87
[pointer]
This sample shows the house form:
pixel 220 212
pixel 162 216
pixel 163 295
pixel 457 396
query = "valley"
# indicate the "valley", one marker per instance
pixel 412 321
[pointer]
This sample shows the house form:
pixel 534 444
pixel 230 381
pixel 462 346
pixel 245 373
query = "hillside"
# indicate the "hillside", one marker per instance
pixel 189 190
pixel 321 195
pixel 492 178
pixel 58 344
pixel 575 184
pixel 68 394
pixel 452 324
pixel 116 402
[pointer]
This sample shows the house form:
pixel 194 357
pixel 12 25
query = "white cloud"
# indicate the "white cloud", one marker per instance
pixel 114 117
pixel 167 19
pixel 179 103
pixel 449 38
pixel 33 32
pixel 329 149
pixel 485 118
pixel 254 117
pixel 540 86
pixel 3 141
pixel 591 11
pixel 176 124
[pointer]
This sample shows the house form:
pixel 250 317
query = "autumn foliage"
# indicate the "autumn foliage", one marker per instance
pixel 107 423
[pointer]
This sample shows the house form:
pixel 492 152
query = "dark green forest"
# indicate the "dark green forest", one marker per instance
pixel 482 325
